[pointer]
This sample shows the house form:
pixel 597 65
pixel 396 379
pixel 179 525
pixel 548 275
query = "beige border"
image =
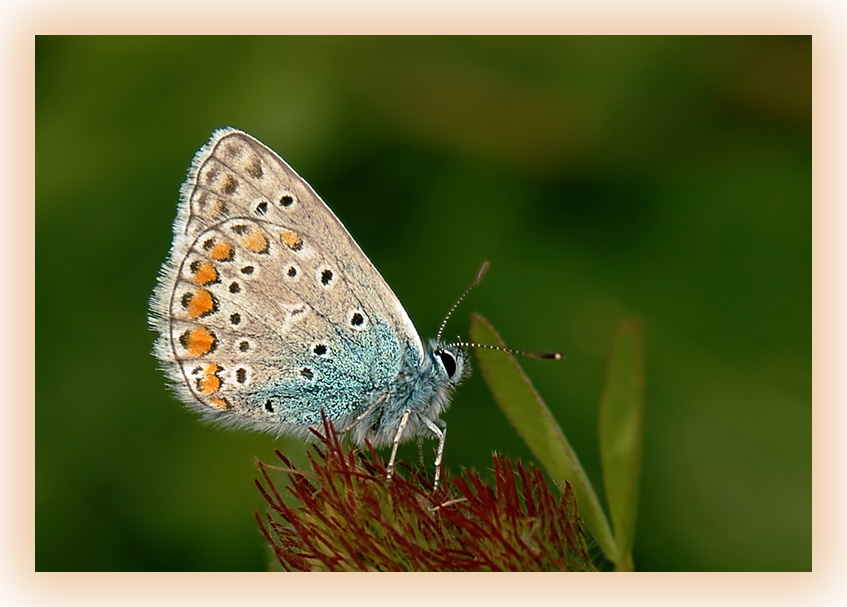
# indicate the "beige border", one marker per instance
pixel 22 21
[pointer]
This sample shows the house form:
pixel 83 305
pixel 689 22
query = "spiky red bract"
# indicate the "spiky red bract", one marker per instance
pixel 347 517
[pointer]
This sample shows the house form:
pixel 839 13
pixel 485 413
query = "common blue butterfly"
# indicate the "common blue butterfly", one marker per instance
pixel 268 312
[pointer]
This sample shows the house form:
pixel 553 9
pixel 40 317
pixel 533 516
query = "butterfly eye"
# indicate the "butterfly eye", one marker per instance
pixel 448 361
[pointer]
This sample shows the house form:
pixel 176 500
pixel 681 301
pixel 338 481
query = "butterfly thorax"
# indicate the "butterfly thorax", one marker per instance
pixel 423 385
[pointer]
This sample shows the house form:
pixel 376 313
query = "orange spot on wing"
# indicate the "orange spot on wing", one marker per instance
pixel 200 341
pixel 220 403
pixel 201 303
pixel 210 382
pixel 256 242
pixel 205 274
pixel 222 251
pixel 291 240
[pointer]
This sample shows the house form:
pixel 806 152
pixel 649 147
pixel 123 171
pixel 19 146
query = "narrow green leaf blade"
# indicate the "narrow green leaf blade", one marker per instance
pixel 517 398
pixel 622 434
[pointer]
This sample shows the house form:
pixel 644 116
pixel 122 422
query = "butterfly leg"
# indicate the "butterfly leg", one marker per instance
pixel 441 433
pixel 403 421
pixel 367 411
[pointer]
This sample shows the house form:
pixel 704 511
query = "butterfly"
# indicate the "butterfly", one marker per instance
pixel 269 315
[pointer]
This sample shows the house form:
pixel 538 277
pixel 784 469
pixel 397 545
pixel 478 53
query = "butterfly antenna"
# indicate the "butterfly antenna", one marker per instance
pixel 482 272
pixel 542 355
pixel 462 344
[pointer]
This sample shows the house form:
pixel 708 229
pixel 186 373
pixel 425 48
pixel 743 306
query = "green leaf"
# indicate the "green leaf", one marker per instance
pixel 621 434
pixel 528 414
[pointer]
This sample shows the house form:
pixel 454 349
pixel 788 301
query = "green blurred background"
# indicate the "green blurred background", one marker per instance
pixel 668 178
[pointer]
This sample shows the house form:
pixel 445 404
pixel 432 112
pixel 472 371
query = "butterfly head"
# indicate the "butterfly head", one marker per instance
pixel 450 360
pixel 445 366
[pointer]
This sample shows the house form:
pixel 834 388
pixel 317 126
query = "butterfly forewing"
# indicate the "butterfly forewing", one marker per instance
pixel 268 303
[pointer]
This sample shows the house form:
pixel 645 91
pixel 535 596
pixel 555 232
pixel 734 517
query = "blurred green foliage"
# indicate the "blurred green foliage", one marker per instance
pixel 603 177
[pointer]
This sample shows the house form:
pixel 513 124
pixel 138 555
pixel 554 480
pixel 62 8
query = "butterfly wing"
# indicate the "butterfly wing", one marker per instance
pixel 267 309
